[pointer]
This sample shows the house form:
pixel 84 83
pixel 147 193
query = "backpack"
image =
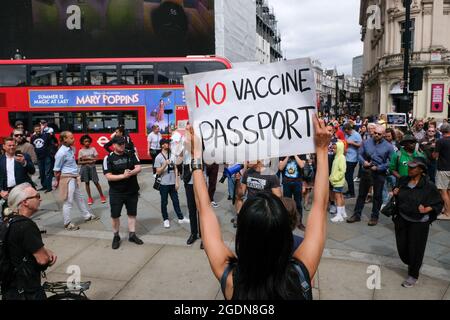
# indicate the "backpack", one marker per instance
pixel 6 267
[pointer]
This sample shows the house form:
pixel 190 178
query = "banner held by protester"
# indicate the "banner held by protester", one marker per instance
pixel 253 113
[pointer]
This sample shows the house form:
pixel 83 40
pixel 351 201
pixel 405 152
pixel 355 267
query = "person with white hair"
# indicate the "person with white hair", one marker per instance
pixel 28 256
pixel 374 158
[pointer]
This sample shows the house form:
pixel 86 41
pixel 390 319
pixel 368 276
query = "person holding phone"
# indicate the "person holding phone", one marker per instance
pixel 15 168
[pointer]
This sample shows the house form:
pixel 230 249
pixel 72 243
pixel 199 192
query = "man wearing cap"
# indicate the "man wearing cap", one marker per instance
pixel 41 142
pixel 45 128
pixel 399 160
pixel 165 164
pixel 121 169
pixel 442 153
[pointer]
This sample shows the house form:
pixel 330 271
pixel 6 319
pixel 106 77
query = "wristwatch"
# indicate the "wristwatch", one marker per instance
pixel 196 164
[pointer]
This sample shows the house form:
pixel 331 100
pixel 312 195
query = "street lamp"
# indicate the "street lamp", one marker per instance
pixel 337 93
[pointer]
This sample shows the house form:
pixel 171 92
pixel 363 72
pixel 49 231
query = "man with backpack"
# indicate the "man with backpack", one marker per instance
pixel 23 255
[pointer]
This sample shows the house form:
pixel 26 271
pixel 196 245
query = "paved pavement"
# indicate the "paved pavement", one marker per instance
pixel 165 268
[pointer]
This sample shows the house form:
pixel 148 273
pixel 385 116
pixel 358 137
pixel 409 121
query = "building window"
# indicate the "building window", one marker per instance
pixel 402 31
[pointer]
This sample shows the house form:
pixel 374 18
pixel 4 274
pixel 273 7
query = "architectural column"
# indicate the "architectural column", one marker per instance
pixel 384 97
pixel 438 24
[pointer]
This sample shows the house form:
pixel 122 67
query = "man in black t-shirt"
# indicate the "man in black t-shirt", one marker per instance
pixel 42 143
pixel 442 153
pixel 257 178
pixel 121 169
pixel 27 253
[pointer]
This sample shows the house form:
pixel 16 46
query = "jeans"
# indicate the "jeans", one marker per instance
pixel 390 183
pixel 190 197
pixel 46 172
pixel 212 171
pixel 165 191
pixel 74 195
pixel 349 177
pixel 367 180
pixel 294 189
pixel 432 169
pixel 231 186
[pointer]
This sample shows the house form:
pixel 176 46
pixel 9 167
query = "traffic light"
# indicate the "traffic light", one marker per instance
pixel 342 95
pixel 416 79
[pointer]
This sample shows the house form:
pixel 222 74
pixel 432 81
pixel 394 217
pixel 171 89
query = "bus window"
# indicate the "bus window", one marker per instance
pixel 19 116
pixel 13 75
pixel 207 66
pixel 138 74
pixel 172 73
pixel 130 121
pixel 75 121
pixel 73 75
pixel 101 75
pixel 46 75
pixel 102 122
pixel 56 120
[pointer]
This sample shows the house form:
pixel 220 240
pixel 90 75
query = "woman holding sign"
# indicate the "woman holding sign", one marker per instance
pixel 264 267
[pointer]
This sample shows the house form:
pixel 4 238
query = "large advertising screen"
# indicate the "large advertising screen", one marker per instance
pixel 107 28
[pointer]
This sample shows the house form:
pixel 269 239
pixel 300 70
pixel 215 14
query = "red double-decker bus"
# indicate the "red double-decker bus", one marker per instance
pixel 95 96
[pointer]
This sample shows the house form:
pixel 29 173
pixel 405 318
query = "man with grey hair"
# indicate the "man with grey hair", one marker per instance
pixel 27 255
pixel 374 158
pixel 442 153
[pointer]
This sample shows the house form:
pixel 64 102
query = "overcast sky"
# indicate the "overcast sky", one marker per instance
pixel 327 30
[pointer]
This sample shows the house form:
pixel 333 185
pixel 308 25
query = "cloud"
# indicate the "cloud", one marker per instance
pixel 327 30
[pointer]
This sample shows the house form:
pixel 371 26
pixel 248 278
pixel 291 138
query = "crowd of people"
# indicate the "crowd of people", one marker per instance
pixel 411 165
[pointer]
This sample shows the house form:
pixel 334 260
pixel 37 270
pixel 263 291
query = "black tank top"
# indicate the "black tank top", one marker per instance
pixel 299 267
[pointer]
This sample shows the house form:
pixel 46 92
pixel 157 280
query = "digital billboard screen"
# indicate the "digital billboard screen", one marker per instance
pixel 107 28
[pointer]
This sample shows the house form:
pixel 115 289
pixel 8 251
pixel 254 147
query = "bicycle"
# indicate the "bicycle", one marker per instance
pixel 61 291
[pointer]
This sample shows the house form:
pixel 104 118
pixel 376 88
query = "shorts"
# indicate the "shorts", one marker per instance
pixel 88 173
pixel 443 180
pixel 117 201
pixel 338 189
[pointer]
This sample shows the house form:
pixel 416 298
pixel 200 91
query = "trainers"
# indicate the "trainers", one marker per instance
pixel 191 239
pixel 354 219
pixel 116 242
pixel 71 227
pixel 202 246
pixel 337 218
pixel 103 199
pixel 166 224
pixel 409 282
pixel 344 215
pixel 92 218
pixel 333 209
pixel 214 204
pixel 90 201
pixel 184 220
pixel 443 217
pixel 229 198
pixel 349 196
pixel 134 238
pixel 356 180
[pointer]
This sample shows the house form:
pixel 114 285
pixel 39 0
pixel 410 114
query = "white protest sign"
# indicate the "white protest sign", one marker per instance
pixel 253 113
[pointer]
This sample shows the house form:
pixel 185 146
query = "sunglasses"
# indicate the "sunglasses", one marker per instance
pixel 378 134
pixel 18 135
